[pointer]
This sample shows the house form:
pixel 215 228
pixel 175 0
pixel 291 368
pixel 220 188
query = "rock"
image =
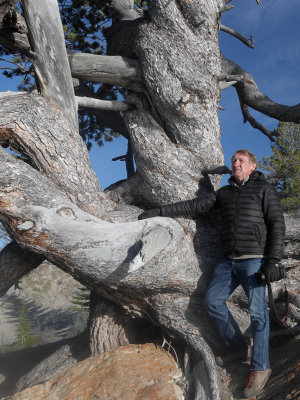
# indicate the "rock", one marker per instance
pixel 48 293
pixel 131 372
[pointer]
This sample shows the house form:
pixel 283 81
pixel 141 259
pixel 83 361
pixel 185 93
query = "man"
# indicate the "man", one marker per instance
pixel 252 237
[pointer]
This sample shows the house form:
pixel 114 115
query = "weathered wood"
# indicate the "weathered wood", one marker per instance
pixel 55 149
pixel 50 62
pixel 15 262
pixel 250 94
pixel 102 104
pixel 157 268
pixel 54 227
pixel 120 71
pixel 247 42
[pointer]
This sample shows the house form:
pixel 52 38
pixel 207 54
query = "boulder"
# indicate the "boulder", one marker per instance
pixel 131 372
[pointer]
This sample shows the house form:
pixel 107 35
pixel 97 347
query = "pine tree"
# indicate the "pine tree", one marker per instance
pixel 284 165
pixel 81 300
pixel 25 336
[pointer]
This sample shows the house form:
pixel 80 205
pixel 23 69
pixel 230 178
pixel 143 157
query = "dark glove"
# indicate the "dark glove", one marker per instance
pixel 274 270
pixel 154 212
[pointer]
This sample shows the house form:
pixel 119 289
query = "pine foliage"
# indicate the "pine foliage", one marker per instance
pixel 25 336
pixel 284 165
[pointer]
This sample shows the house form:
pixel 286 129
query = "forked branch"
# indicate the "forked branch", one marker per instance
pixel 250 95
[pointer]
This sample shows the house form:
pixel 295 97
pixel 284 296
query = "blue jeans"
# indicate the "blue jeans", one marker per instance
pixel 228 275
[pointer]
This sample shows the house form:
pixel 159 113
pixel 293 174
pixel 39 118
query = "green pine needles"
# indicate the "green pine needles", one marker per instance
pixel 25 336
pixel 284 165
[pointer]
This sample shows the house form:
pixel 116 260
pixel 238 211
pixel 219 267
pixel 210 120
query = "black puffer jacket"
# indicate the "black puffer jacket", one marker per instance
pixel 252 218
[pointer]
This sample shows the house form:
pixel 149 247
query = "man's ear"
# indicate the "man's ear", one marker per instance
pixel 253 167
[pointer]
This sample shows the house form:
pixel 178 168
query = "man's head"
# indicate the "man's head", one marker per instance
pixel 243 163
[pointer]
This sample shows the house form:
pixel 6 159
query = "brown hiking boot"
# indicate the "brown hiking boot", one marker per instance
pixel 256 382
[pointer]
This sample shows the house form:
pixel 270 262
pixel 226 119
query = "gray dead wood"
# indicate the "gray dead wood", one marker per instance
pixel 247 42
pixel 102 104
pixel 15 262
pixel 250 94
pixel 54 148
pixel 50 61
pixel 49 219
pixel 120 71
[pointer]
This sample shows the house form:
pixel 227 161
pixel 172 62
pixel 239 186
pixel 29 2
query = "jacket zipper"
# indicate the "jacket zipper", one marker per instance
pixel 235 219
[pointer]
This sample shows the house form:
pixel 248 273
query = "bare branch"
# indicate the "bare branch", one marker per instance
pixel 103 104
pixel 255 124
pixel 115 70
pixel 226 8
pixel 251 96
pixel 18 65
pixel 123 10
pixel 228 80
pixel 248 42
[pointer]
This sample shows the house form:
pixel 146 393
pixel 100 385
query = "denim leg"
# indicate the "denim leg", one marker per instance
pixel 245 271
pixel 223 283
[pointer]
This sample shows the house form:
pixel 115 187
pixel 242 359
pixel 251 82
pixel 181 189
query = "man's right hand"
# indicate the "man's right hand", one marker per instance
pixel 154 212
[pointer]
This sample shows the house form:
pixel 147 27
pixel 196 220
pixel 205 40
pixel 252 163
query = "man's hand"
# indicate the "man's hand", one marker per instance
pixel 154 212
pixel 274 270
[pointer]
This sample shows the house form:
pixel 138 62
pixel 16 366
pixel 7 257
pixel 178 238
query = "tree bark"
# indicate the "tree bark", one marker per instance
pixel 16 262
pixel 120 71
pixel 50 61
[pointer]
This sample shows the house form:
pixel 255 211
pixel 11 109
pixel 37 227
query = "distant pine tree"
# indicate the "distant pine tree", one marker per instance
pixel 81 300
pixel 284 165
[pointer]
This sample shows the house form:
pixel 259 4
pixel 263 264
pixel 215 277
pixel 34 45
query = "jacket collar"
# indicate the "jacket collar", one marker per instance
pixel 255 175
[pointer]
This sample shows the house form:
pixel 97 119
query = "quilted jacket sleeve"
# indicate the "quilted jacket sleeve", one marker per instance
pixel 189 208
pixel 274 220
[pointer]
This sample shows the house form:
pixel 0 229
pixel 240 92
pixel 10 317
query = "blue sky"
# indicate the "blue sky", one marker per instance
pixel 274 63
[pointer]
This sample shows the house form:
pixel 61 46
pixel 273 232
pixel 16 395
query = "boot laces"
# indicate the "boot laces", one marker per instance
pixel 251 379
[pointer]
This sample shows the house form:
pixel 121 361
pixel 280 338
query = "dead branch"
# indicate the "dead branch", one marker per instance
pixel 247 42
pixel 103 104
pixel 255 124
pixel 251 96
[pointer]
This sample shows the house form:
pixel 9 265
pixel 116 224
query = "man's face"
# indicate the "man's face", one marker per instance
pixel 241 166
